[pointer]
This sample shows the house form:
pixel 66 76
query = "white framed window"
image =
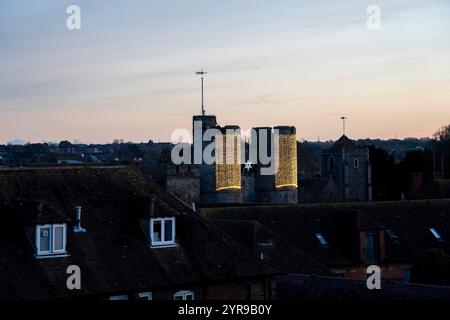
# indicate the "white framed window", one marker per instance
pixel 184 295
pixel 51 239
pixel 162 231
pixel 145 296
pixel 119 298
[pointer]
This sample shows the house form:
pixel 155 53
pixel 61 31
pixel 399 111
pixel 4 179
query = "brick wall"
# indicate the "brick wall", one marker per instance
pixel 260 289
pixel 394 271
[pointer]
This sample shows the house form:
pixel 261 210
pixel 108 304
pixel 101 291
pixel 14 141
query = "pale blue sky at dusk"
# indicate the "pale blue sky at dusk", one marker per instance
pixel 130 71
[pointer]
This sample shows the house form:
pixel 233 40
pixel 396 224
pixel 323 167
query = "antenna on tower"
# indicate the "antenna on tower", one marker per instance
pixel 343 124
pixel 202 73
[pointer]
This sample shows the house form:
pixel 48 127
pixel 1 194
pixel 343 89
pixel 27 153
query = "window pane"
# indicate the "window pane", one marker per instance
pixel 372 248
pixel 407 274
pixel 168 236
pixel 145 296
pixel 118 298
pixel 157 231
pixel 59 237
pixel 44 239
pixel 189 297
pixel 178 297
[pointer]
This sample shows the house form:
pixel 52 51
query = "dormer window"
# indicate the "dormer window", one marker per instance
pixel 50 239
pixel 160 231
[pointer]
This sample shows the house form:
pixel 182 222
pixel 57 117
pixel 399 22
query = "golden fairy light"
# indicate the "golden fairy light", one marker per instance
pixel 286 175
pixel 228 167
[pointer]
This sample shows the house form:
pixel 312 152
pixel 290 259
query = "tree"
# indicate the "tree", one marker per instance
pixel 65 144
pixel 432 267
pixel 385 184
pixel 443 134
pixel 118 141
pixel 441 147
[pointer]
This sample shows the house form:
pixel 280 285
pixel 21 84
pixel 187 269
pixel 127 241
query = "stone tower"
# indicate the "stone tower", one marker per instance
pixel 281 187
pixel 348 165
pixel 220 181
pixel 286 179
pixel 228 166
pixel 207 171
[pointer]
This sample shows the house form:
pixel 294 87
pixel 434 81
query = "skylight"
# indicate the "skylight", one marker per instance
pixel 436 234
pixel 322 240
pixel 392 234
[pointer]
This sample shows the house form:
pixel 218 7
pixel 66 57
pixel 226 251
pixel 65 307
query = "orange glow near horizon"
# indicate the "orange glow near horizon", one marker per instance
pixel 305 64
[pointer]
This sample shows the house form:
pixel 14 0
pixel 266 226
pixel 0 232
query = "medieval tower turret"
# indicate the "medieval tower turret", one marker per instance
pixel 348 165
pixel 279 187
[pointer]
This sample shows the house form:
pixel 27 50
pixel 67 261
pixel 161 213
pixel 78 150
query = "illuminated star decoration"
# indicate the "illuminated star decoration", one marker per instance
pixel 248 165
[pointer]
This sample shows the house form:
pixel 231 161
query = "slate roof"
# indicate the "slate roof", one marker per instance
pixel 406 225
pixel 114 254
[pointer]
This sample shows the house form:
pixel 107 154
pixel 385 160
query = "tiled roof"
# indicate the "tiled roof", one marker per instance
pixel 282 254
pixel 406 224
pixel 114 255
pixel 37 212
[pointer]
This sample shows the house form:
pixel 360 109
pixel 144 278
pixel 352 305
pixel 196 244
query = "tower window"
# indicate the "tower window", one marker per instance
pixel 356 163
pixel 331 164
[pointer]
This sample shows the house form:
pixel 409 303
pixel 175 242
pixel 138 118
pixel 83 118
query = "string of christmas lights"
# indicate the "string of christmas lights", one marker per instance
pixel 228 167
pixel 286 175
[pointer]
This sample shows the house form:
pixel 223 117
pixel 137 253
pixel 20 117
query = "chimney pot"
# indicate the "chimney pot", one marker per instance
pixel 77 227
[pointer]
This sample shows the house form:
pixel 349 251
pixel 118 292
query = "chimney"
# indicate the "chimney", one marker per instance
pixel 77 227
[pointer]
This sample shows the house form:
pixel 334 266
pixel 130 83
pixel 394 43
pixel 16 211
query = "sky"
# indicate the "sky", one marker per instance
pixel 129 72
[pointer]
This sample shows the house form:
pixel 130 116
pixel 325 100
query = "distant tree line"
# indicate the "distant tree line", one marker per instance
pixel 415 175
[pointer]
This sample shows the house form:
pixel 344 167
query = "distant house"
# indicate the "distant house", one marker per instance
pixel 346 237
pixel 130 240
